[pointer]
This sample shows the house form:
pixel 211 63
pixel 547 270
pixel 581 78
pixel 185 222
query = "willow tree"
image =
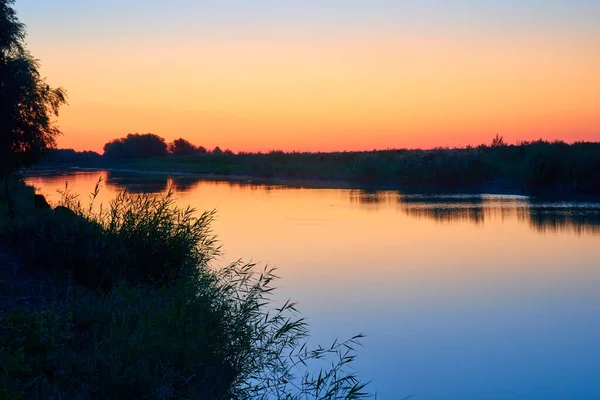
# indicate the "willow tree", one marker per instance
pixel 27 102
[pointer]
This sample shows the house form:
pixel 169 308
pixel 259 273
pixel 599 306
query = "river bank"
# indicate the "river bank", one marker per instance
pixel 495 187
pixel 125 304
pixel 551 169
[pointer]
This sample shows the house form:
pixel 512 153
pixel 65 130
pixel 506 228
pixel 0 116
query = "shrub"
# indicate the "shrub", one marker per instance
pixel 141 239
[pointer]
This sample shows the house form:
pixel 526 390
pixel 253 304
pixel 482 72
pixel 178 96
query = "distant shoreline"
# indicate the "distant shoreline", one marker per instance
pixel 250 179
pixel 539 169
pixel 493 187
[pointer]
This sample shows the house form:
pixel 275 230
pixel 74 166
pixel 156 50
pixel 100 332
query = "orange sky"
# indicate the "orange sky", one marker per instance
pixel 364 89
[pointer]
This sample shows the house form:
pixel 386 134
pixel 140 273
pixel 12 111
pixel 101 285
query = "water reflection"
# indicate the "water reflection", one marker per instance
pixel 490 297
pixel 542 216
pixel 134 182
pixel 151 183
pixel 577 220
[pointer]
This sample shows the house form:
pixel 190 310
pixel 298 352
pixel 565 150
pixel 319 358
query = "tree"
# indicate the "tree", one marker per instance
pixel 27 103
pixel 182 147
pixel 201 150
pixel 72 157
pixel 498 141
pixel 136 145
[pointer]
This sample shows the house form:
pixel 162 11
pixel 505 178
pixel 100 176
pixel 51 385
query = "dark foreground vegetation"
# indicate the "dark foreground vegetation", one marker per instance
pixel 127 305
pixel 122 302
pixel 529 167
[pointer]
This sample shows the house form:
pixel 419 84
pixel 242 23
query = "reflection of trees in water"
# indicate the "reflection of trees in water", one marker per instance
pixel 543 217
pixel 579 221
pixel 444 208
pixel 187 183
pixel 250 185
pixel 373 200
pixel 182 183
pixel 136 183
pixel 439 208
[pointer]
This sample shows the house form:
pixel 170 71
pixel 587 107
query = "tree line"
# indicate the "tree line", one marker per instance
pixel 136 145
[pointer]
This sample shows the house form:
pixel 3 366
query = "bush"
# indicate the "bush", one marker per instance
pixel 141 239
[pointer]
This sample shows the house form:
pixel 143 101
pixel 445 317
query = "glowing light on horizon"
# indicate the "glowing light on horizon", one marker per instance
pixel 262 85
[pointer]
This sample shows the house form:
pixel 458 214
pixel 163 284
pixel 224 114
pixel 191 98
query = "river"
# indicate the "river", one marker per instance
pixel 460 296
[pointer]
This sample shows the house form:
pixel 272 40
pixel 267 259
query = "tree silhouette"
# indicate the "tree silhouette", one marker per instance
pixel 201 150
pixel 182 147
pixel 27 102
pixel 136 145
pixel 498 141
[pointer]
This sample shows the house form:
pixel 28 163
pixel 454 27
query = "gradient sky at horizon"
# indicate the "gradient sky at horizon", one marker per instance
pixel 321 75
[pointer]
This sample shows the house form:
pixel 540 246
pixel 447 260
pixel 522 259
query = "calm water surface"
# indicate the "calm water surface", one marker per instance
pixel 461 297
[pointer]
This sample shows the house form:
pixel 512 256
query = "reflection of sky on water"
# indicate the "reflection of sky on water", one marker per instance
pixel 461 297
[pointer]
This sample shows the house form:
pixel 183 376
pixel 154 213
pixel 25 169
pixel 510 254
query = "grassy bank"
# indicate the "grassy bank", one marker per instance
pixel 533 166
pixel 131 308
pixel 528 167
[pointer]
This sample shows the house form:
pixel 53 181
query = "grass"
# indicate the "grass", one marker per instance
pixel 138 312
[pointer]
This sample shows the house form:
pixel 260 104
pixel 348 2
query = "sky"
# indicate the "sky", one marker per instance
pixel 320 75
